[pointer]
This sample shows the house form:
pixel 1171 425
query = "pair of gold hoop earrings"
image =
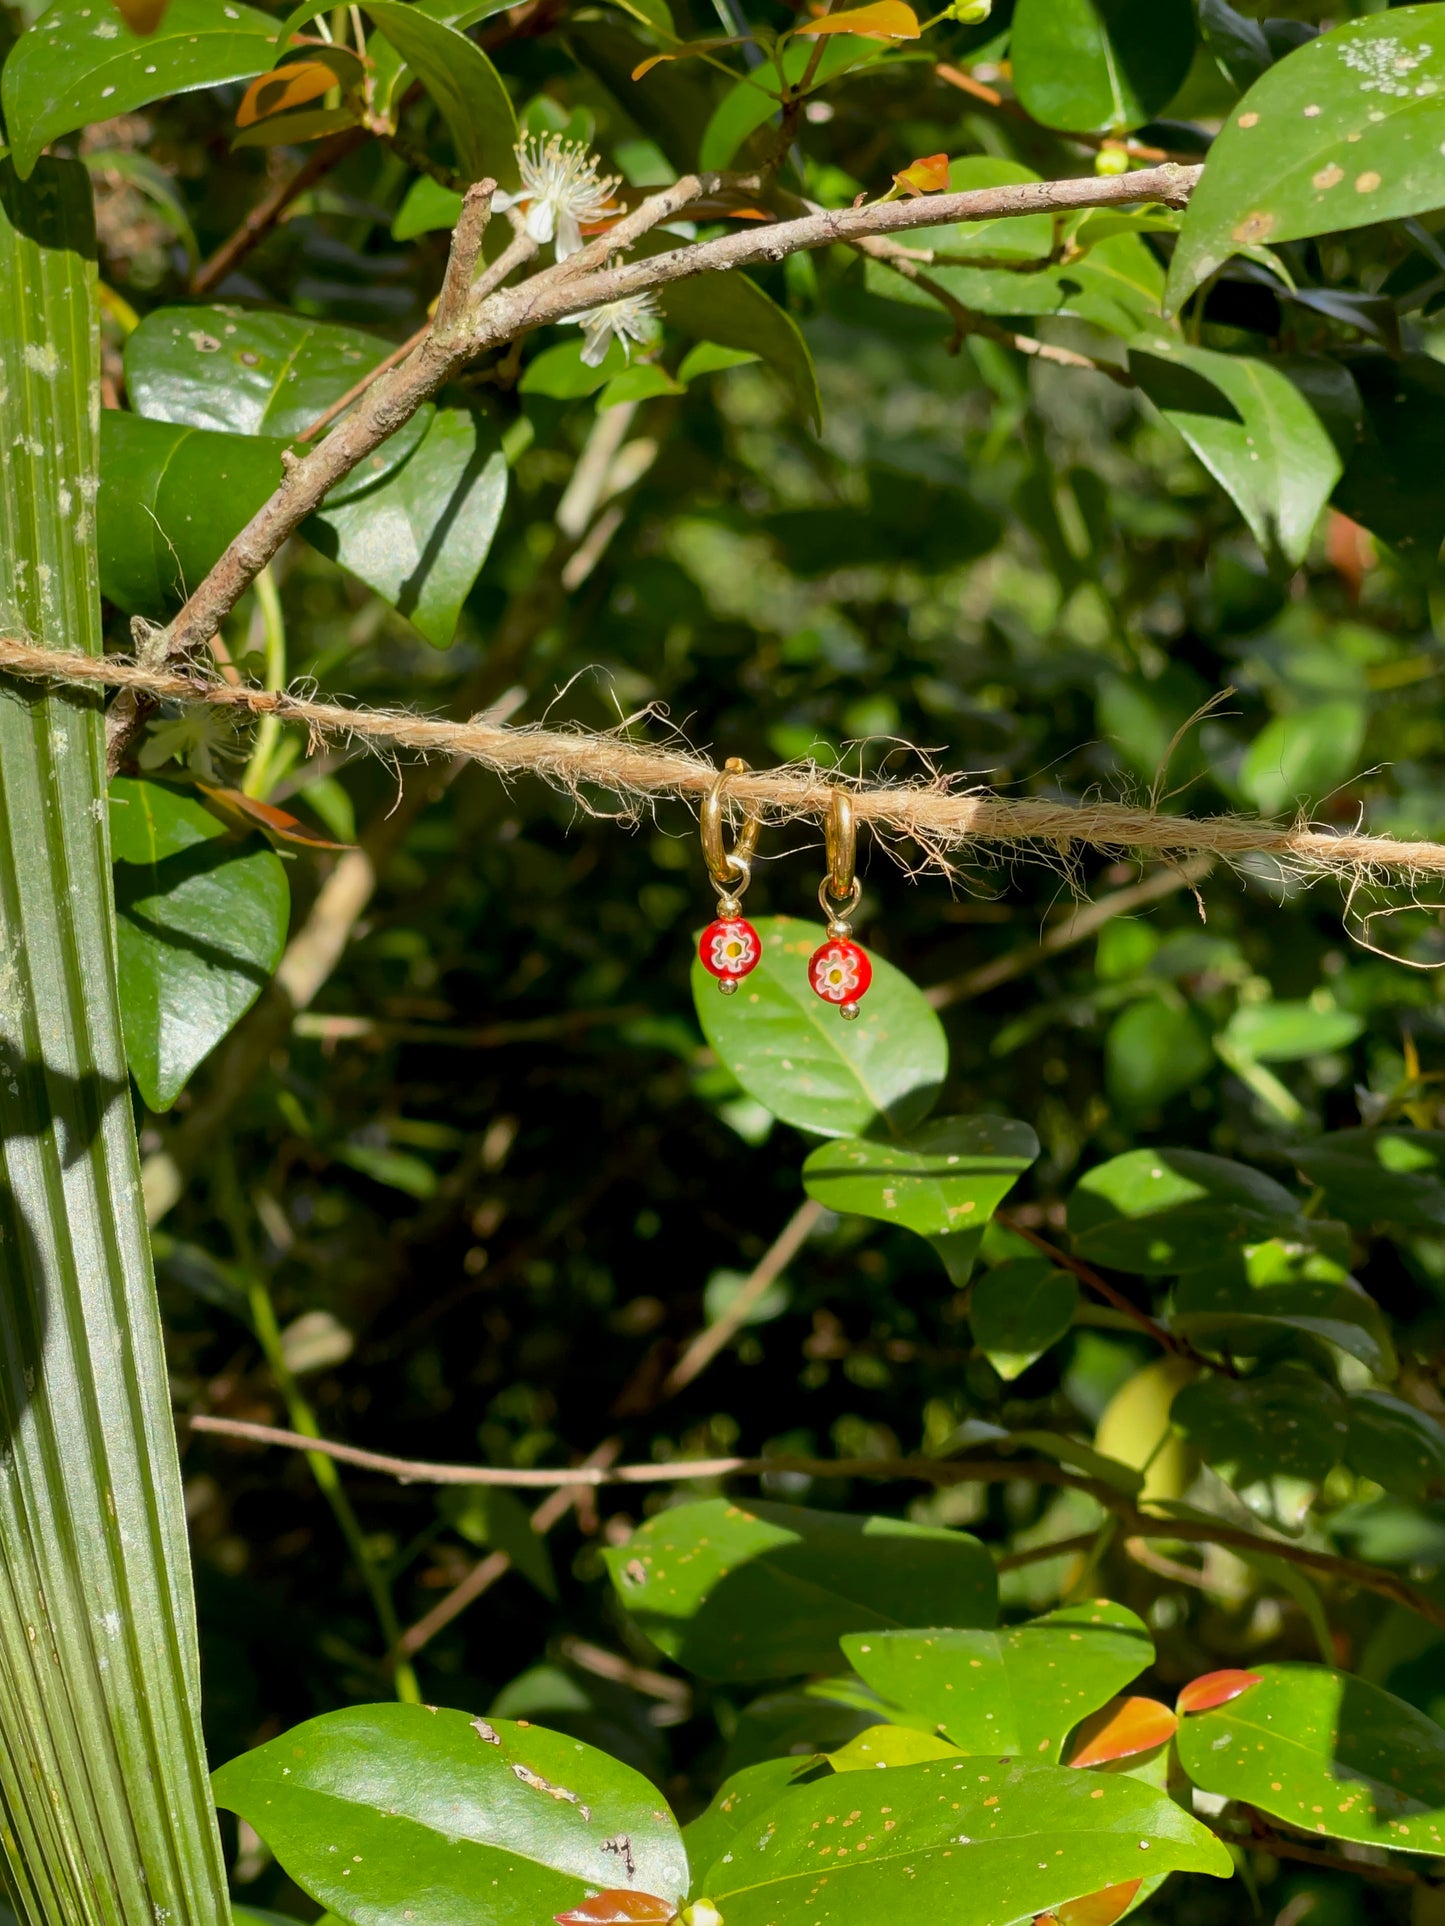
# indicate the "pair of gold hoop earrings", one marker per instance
pixel 839 970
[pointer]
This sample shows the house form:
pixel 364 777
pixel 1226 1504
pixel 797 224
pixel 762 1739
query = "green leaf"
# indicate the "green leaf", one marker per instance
pixel 1099 66
pixel 966 1840
pixel 707 357
pixel 1393 483
pixel 756 1591
pixel 1015 237
pixel 797 1056
pixel 171 498
pixel 488 1515
pixel 1396 1444
pixel 736 1803
pixel 420 536
pixel 1252 429
pixel 1287 1421
pixel 254 371
pixel 427 205
pixel 1389 1175
pixel 1237 43
pixel 1287 1032
pixel 1154 1050
pixel 561 374
pixel 1341 133
pixel 889 1745
pixel 1020 1691
pixel 102 1763
pixel 1327 1754
pixel 1296 760
pixel 1157 1211
pixel 641 382
pixel 471 94
pixel 383 1809
pixel 733 312
pixel 80 63
pixel 202 924
pixel 749 104
pixel 945 1180
pixel 1117 286
pixel 1019 1310
pixel 1278 1287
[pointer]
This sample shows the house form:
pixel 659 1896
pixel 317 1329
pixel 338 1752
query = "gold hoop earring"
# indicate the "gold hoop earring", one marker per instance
pixel 839 970
pixel 729 948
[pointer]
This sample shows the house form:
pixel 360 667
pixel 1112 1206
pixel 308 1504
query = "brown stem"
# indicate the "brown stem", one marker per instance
pixel 1268 1840
pixel 703 1348
pixel 359 388
pixel 266 213
pixel 1101 1286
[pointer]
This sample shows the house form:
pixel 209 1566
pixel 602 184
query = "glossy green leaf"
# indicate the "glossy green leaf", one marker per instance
pixel 1117 285
pixel 80 63
pixel 420 536
pixel 1019 1310
pixel 489 1515
pixel 1297 760
pixel 465 85
pixel 755 1591
pixel 882 1746
pixel 255 371
pixel 733 312
pixel 1288 1032
pixel 426 206
pixel 943 1180
pixel 1099 66
pixel 1393 484
pixel 1396 1444
pixel 1019 1691
pixel 1157 1211
pixel 735 1804
pixel 560 373
pixel 1343 132
pixel 1285 1422
pixel 1236 42
pixel 171 498
pixel 1277 1287
pixel 102 1762
pixel 1327 1754
pixel 1388 1175
pixel 643 381
pixel 1153 1051
pixel 1252 429
pixel 708 357
pixel 202 923
pixel 383 1809
pixel 795 1054
pixel 968 1840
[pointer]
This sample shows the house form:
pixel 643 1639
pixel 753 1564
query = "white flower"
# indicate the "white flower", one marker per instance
pixel 633 318
pixel 560 189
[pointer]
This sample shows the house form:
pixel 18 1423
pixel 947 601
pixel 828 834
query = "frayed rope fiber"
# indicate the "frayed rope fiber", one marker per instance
pixel 933 813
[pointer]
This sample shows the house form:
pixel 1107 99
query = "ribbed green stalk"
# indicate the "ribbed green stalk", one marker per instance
pixel 105 1810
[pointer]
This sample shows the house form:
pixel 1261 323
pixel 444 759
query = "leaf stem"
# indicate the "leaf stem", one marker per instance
pixel 256 780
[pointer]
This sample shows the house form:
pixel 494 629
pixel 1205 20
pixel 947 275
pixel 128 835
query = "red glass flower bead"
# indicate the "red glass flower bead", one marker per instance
pixel 730 948
pixel 840 973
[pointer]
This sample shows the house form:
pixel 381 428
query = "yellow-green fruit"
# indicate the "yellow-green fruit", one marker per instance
pixel 1111 160
pixel 1135 1428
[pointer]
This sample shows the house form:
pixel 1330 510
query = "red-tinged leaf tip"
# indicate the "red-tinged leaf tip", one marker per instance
pixel 1101 1908
pixel 884 20
pixel 1122 1728
pixel 276 822
pixel 283 89
pixel 926 176
pixel 1214 1688
pixel 619 1907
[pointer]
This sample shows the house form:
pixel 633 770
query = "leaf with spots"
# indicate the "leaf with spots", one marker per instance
pixel 944 1181
pixel 1252 429
pixel 756 1591
pixel 803 1062
pixel 1016 1691
pixel 1327 1753
pixel 967 1840
pixel 1287 1421
pixel 390 1812
pixel 1162 1211
pixel 1345 131
pixel 80 63
pixel 736 1803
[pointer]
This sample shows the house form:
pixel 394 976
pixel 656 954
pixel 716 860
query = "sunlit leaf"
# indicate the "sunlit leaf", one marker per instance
pixel 1094 1909
pixel 1213 1688
pixel 287 87
pixel 618 1907
pixel 888 19
pixel 1120 1730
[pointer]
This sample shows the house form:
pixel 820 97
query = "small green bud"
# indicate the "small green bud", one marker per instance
pixel 701 1912
pixel 1112 160
pixel 971 13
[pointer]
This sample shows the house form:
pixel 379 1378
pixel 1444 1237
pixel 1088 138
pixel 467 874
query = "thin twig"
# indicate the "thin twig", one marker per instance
pixel 936 1471
pixel 933 815
pixel 267 212
pixel 715 1337
pixel 359 388
pixel 1101 1286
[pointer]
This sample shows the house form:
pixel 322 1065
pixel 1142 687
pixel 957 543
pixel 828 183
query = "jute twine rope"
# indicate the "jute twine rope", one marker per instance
pixel 935 813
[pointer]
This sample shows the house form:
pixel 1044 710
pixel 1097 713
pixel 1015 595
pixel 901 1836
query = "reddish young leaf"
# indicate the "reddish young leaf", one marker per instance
pixel 926 176
pixel 283 89
pixel 619 1907
pixel 245 812
pixel 1213 1688
pixel 685 52
pixel 1122 1728
pixel 142 16
pixel 1094 1909
pixel 883 20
